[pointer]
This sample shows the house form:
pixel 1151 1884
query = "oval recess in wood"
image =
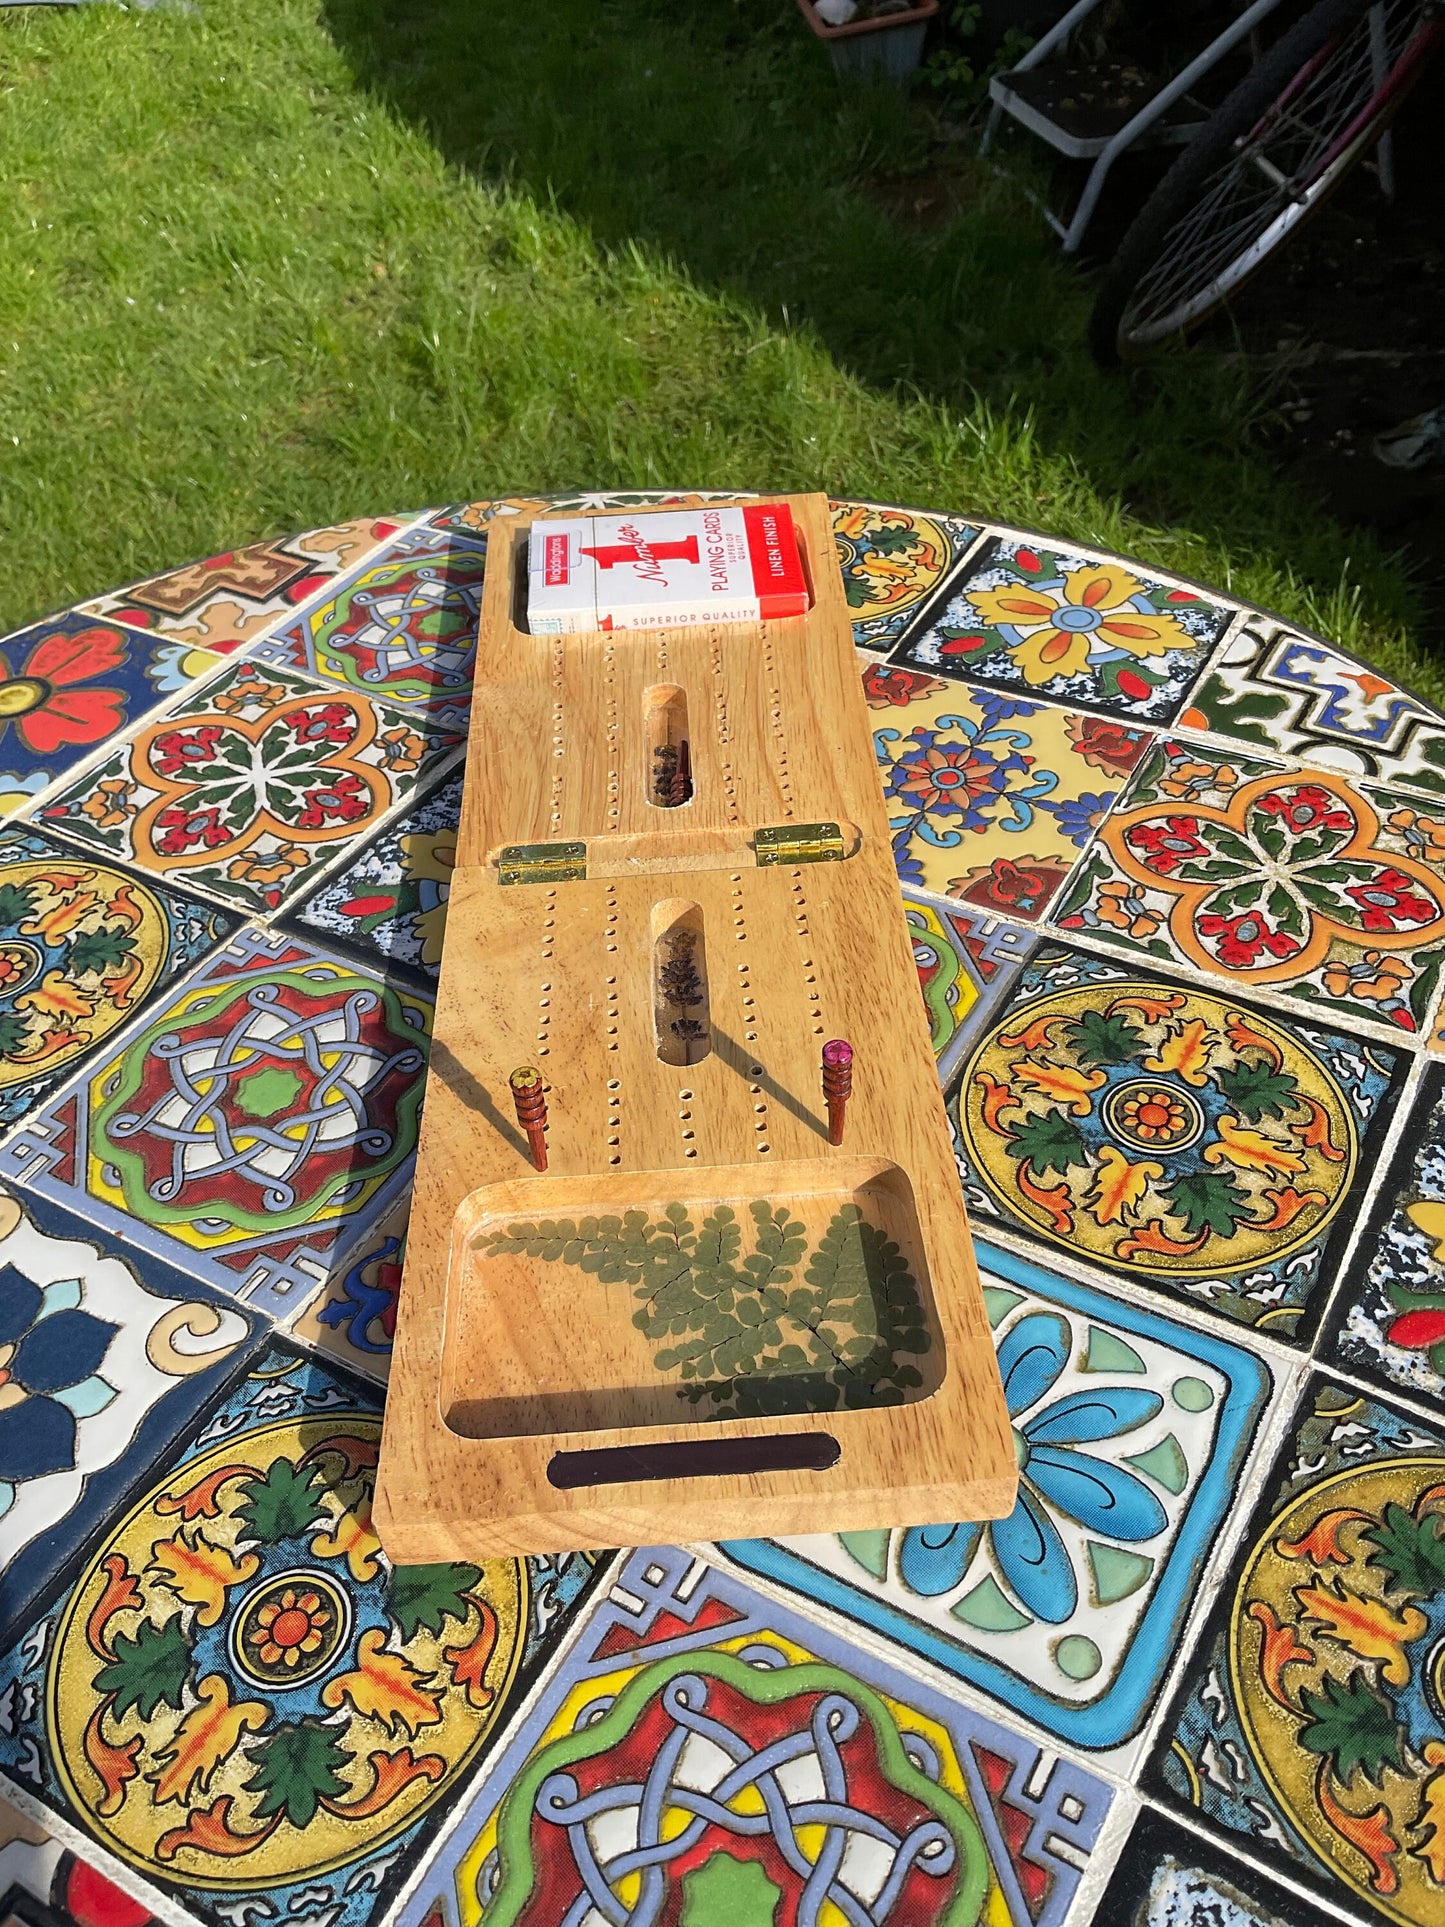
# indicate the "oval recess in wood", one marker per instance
pixel 681 1011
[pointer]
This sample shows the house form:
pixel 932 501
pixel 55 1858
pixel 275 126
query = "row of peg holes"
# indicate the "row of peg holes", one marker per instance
pixel 780 735
pixel 558 744
pixel 684 1099
pixel 544 998
pixel 724 735
pixel 810 977
pixel 750 1021
pixel 614 1085
pixel 614 780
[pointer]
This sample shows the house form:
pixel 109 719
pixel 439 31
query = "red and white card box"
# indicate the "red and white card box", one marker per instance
pixel 666 570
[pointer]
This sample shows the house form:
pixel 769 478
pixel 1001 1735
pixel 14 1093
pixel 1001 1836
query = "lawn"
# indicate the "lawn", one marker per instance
pixel 273 264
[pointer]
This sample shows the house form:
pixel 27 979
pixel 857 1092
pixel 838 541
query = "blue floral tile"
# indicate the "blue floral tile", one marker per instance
pixel 83 946
pixel 390 902
pixel 104 1356
pixel 1078 628
pixel 821 1783
pixel 251 1128
pixel 991 799
pixel 1131 1431
pixel 238 1699
pixel 71 683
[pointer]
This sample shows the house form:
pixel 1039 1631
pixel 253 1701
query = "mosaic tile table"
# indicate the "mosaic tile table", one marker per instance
pixel 1176 875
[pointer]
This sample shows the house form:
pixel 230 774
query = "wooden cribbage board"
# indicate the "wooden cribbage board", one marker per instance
pixel 515 1368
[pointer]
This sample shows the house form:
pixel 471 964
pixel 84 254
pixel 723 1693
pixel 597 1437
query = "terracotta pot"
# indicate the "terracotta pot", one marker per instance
pixel 889 48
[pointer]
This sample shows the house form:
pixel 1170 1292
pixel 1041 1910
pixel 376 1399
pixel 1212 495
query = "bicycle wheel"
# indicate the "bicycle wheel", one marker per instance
pixel 1265 161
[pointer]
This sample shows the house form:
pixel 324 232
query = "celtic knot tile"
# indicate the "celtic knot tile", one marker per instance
pixel 252 1089
pixel 706 1755
pixel 404 627
pixel 697 1749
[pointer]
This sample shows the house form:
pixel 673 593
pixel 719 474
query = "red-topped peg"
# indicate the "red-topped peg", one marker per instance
pixel 531 1101
pixel 837 1084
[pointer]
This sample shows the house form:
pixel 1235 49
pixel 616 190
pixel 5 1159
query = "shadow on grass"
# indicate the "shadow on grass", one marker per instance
pixel 712 132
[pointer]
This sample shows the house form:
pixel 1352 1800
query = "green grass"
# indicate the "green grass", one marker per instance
pixel 269 265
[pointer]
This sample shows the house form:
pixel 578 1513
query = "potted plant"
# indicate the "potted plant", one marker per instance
pixel 878 38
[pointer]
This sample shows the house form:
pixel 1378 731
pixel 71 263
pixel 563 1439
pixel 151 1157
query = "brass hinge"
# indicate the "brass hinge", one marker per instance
pixel 799 843
pixel 542 863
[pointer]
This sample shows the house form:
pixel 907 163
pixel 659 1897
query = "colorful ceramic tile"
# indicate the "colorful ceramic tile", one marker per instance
pixel 252 789
pixel 991 798
pixel 1292 880
pixel 404 628
pixel 959 977
pixel 103 1358
pixel 69 683
pixel 1389 1319
pixel 354 1319
pixel 947 974
pixel 1310 1728
pixel 83 945
pixel 892 561
pixel 1083 629
pixel 229 600
pixel 391 901
pixel 236 1694
pixel 1168 1877
pixel 753 1767
pixel 1213 1151
pixel 1131 1431
pixel 43 1884
pixel 1280 690
pixel 251 1129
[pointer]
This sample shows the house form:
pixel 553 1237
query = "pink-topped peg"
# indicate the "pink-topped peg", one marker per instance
pixel 837 1084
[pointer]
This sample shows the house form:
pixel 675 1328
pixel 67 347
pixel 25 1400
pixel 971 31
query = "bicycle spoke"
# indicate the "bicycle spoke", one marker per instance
pixel 1269 183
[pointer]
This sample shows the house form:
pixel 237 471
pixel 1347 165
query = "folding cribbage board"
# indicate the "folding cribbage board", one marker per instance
pixel 704 1321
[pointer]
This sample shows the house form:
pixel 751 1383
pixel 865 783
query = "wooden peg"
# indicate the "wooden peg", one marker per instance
pixel 837 1084
pixel 680 788
pixel 531 1102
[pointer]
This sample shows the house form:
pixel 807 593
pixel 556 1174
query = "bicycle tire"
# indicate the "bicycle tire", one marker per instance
pixel 1112 335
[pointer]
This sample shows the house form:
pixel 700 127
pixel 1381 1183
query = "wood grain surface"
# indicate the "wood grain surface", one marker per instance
pixel 504 1359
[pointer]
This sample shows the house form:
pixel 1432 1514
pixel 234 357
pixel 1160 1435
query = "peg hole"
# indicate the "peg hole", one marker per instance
pixel 669 748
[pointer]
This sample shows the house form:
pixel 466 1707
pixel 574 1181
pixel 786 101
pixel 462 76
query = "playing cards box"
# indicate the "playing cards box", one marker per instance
pixel 664 571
